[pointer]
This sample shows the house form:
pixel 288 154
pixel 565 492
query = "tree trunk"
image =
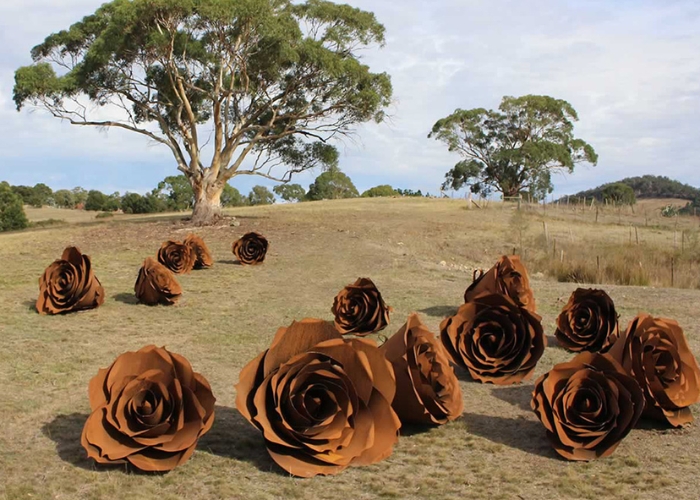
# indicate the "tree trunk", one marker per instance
pixel 207 202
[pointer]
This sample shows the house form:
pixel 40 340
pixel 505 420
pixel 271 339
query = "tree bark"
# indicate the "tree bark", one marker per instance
pixel 207 202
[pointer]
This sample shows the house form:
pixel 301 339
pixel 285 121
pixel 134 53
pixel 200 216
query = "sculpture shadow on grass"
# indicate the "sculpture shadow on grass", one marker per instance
pixel 522 433
pixel 232 436
pixel 518 395
pixel 65 431
pixel 126 298
pixel 230 262
pixel 553 342
pixel 440 311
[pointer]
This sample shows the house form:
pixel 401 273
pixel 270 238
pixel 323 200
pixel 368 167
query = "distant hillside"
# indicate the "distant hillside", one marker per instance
pixel 648 186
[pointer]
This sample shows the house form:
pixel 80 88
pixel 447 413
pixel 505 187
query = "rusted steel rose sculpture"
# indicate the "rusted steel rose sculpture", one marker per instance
pixel 508 277
pixel 656 353
pixel 587 322
pixel 587 405
pixel 155 284
pixel 149 408
pixel 322 402
pixel 177 257
pixel 250 249
pixel 359 309
pixel 69 284
pixel 427 390
pixel 201 251
pixel 496 340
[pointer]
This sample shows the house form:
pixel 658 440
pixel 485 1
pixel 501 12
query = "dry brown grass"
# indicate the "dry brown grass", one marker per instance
pixel 419 252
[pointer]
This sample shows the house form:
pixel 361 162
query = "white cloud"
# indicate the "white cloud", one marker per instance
pixel 631 70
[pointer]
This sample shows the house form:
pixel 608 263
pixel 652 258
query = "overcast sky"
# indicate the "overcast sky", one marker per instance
pixel 631 68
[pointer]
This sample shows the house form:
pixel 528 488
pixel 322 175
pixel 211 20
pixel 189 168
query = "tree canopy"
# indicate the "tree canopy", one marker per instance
pixel 260 195
pixel 513 149
pixel 619 193
pixel 331 185
pixel 290 192
pixel 12 214
pixel 378 191
pixel 268 80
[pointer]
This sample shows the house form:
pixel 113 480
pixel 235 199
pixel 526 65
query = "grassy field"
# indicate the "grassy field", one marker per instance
pixel 420 253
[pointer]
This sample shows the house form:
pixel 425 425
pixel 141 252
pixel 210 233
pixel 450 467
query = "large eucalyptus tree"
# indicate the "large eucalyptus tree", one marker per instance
pixel 514 149
pixel 266 83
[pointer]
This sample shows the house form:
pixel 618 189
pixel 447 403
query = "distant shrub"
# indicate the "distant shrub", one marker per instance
pixel 669 211
pixel 380 191
pixel 49 223
pixel 12 214
pixel 104 215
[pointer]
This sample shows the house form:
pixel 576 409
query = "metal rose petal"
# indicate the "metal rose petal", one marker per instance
pixel 69 284
pixel 155 284
pixel 152 410
pixel 178 257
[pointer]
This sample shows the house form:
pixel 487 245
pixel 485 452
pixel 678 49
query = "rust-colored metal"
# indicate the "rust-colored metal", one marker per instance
pixel 69 284
pixel 587 406
pixel 178 257
pixel 149 408
pixel 155 284
pixel 250 249
pixel 322 402
pixel 203 257
pixel 359 309
pixel 509 277
pixel 656 353
pixel 427 390
pixel 495 339
pixel 587 322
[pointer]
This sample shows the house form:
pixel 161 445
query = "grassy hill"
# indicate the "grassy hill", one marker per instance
pixel 421 253
pixel 648 186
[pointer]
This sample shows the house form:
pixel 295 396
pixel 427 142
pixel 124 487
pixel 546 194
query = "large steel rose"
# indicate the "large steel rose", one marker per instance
pixel 496 340
pixel 69 284
pixel 587 405
pixel 656 353
pixel 427 390
pixel 149 408
pixel 322 402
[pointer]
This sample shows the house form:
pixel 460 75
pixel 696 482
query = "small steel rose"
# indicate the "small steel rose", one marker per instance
pixel 155 284
pixel 359 309
pixel 250 249
pixel 69 284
